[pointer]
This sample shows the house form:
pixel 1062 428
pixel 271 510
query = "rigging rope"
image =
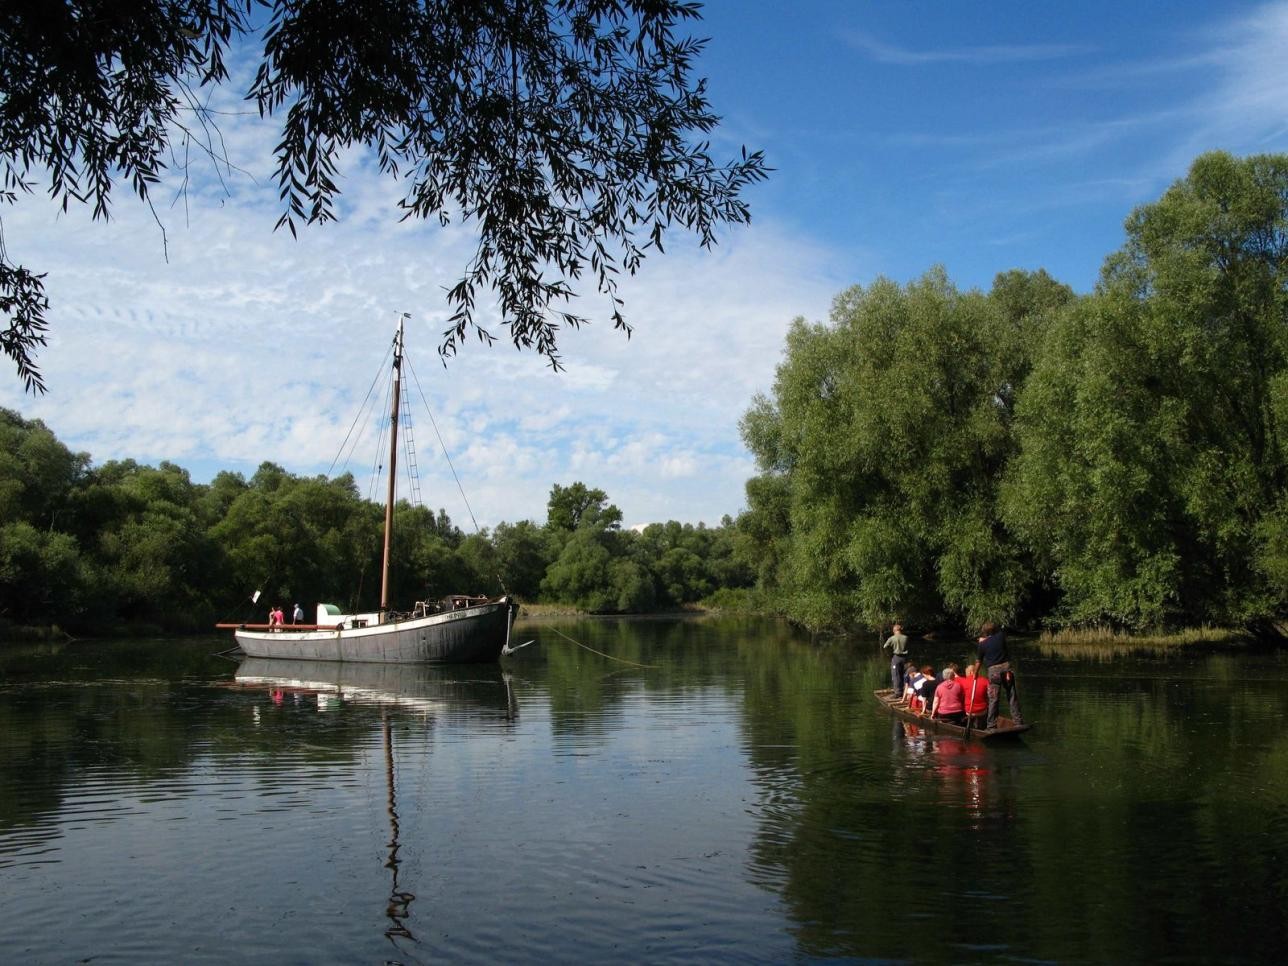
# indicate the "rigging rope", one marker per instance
pixel 441 444
pixel 361 411
pixel 378 466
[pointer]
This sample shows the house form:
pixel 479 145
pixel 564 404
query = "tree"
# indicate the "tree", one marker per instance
pixel 1152 467
pixel 522 554
pixel 41 574
pixel 582 574
pixel 568 133
pixel 882 448
pixel 574 506
pixel 38 474
pixel 156 559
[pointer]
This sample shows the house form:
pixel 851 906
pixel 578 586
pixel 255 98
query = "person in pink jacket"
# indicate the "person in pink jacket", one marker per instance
pixel 950 699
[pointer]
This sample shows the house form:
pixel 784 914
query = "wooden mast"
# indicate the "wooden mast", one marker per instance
pixel 393 466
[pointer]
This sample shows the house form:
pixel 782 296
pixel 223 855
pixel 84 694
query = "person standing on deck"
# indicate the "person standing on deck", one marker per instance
pixel 898 644
pixel 994 655
pixel 298 616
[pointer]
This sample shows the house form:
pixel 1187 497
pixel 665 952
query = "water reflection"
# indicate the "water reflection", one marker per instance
pixel 399 908
pixel 473 690
pixel 425 692
pixel 742 797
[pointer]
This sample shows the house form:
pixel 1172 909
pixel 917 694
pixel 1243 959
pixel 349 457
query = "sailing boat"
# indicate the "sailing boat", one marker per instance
pixel 460 629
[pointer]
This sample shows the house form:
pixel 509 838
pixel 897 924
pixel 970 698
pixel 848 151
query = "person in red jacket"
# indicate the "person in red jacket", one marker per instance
pixel 976 691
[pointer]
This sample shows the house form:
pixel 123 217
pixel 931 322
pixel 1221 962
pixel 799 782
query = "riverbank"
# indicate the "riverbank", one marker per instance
pixel 1185 637
pixel 538 612
pixel 32 635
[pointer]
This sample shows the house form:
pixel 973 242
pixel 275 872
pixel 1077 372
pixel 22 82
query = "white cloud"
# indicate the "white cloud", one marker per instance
pixel 981 55
pixel 248 345
pixel 1246 102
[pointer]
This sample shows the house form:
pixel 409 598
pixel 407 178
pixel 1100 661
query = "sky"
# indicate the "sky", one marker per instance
pixel 979 137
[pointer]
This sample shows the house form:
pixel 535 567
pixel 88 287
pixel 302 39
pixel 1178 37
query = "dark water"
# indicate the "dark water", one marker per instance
pixel 740 798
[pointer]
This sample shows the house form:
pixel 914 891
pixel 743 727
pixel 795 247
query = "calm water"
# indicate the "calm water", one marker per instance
pixel 739 798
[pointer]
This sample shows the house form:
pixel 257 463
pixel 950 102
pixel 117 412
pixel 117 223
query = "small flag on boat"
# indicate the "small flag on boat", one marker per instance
pixel 254 598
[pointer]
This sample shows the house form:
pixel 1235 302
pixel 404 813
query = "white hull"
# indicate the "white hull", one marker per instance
pixel 470 635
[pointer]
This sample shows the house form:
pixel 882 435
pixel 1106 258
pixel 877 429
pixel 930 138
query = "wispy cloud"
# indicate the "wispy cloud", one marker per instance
pixel 980 56
pixel 1245 104
pixel 248 345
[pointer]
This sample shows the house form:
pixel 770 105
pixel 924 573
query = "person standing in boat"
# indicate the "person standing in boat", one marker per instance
pixel 994 656
pixel 898 644
pixel 297 617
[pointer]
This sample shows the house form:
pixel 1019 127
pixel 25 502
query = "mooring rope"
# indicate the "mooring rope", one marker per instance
pixel 586 647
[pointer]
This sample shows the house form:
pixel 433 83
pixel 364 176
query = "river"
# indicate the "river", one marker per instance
pixel 699 790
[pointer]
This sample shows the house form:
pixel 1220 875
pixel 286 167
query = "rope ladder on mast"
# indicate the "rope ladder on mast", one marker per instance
pixel 409 449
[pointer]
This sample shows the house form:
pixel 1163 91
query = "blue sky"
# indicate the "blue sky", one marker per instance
pixel 982 137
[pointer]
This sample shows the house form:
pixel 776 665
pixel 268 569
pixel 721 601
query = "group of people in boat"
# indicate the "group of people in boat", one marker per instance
pixel 971 697
pixel 277 619
pixel 949 695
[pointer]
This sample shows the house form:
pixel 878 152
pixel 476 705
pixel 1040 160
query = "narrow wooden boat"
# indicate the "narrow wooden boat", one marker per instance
pixel 1005 727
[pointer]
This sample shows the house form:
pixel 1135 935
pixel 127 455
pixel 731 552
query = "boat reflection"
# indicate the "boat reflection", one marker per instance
pixel 470 692
pixel 398 909
pixel 963 770
pixel 439 690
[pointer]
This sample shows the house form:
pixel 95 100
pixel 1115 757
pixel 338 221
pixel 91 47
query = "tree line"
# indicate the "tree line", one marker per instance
pixel 90 548
pixel 1032 456
pixel 1025 455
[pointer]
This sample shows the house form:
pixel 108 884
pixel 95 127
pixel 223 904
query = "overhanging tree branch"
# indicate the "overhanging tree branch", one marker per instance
pixel 570 134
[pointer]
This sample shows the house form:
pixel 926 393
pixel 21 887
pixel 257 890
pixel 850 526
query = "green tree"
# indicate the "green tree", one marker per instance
pixel 427 563
pixel 581 575
pixel 38 474
pixel 522 553
pixel 302 540
pixel 576 505
pixel 145 552
pixel 568 133
pixel 683 560
pixel 882 448
pixel 41 575
pixel 1152 474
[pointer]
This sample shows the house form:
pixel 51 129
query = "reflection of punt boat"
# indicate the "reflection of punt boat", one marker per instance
pixel 438 689
pixel 1004 729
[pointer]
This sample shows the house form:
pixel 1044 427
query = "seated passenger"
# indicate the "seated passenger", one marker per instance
pixel 949 699
pixel 925 689
pixel 909 687
pixel 976 690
